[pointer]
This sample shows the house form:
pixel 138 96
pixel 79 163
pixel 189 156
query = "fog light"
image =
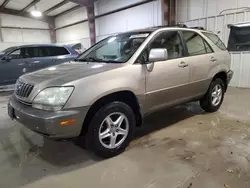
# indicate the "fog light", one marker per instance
pixel 68 122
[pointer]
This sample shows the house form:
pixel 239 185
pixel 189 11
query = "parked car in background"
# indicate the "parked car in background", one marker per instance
pixel 78 47
pixel 103 95
pixel 17 60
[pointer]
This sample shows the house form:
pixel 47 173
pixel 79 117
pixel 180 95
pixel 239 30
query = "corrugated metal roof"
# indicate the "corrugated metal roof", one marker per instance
pixel 18 4
pixel 62 9
pixel 42 5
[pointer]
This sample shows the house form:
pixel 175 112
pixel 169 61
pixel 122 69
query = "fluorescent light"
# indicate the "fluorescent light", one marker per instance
pixel 36 13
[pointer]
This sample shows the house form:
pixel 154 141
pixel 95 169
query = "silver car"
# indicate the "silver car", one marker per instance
pixel 102 96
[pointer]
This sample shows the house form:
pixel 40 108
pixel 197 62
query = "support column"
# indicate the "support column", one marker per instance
pixel 165 11
pixel 172 11
pixel 91 20
pixel 168 12
pixel 52 30
pixel 1 34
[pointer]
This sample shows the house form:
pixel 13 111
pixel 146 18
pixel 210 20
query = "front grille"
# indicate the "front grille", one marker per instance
pixel 23 90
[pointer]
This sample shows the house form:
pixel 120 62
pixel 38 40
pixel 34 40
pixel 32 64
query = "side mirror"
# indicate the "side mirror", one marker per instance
pixel 7 58
pixel 158 54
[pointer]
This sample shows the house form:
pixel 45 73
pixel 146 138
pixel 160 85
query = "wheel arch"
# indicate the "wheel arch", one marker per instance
pixel 126 96
pixel 223 76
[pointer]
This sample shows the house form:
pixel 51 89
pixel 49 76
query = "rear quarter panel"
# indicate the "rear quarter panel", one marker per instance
pixel 223 58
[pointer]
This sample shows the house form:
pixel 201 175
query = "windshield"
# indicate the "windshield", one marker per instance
pixel 7 50
pixel 115 49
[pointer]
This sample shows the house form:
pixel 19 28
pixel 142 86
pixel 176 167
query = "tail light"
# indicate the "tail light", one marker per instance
pixel 77 52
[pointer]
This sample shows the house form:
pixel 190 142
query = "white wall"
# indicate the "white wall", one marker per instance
pixel 146 15
pixel 13 37
pixel 193 9
pixel 219 25
pixel 76 33
pixel 142 16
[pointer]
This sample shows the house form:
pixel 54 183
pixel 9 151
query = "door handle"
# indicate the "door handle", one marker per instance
pixel 35 62
pixel 213 59
pixel 183 64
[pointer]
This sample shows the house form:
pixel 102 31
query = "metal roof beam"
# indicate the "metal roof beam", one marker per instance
pixel 84 2
pixel 56 6
pixel 4 4
pixel 44 18
pixel 33 3
pixel 69 10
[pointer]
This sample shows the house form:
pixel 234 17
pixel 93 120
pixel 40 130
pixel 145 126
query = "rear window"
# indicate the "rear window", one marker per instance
pixel 216 40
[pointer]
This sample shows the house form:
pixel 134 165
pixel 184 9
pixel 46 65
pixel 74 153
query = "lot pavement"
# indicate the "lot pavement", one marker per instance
pixel 182 147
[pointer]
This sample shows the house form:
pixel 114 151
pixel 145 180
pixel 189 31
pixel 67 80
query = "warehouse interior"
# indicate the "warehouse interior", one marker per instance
pixel 180 147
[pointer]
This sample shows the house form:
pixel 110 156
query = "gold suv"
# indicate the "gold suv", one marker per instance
pixel 103 95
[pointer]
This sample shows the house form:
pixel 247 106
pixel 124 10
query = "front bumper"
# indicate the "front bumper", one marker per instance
pixel 229 76
pixel 48 123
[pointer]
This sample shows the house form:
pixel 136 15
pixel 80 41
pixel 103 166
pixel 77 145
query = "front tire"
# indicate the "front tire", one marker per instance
pixel 111 129
pixel 213 99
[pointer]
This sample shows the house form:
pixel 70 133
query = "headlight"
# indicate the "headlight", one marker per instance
pixel 52 99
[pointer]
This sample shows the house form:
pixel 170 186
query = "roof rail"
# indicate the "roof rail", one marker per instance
pixel 181 25
pixel 200 28
pixel 177 25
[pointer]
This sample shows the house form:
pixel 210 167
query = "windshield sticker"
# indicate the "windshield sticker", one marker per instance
pixel 139 36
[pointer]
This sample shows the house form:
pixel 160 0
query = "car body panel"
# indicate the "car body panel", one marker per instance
pixel 155 84
pixel 12 69
pixel 165 82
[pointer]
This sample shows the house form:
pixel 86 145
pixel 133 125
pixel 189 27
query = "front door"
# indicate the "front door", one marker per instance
pixel 12 66
pixel 167 81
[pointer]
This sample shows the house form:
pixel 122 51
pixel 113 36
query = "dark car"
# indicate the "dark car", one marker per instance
pixel 17 60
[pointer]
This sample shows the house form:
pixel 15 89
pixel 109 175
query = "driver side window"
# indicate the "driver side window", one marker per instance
pixel 16 54
pixel 169 40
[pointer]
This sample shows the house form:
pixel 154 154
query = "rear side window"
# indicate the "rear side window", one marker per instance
pixel 216 40
pixel 196 45
pixel 56 51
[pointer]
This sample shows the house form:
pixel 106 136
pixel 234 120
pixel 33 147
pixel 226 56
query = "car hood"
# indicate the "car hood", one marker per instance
pixel 67 72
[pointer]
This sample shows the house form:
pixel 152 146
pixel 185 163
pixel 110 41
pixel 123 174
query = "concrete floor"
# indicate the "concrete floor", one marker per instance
pixel 179 148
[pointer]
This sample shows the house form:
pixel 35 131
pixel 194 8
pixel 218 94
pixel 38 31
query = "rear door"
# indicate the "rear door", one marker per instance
pixel 200 59
pixel 59 54
pixel 47 56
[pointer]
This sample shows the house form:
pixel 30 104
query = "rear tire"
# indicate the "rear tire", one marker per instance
pixel 213 99
pixel 111 129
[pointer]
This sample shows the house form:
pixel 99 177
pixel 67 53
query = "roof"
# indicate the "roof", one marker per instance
pixel 37 45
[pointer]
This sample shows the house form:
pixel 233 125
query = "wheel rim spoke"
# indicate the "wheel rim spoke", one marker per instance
pixel 105 134
pixel 119 121
pixel 122 131
pixel 109 121
pixel 219 92
pixel 214 100
pixel 113 140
